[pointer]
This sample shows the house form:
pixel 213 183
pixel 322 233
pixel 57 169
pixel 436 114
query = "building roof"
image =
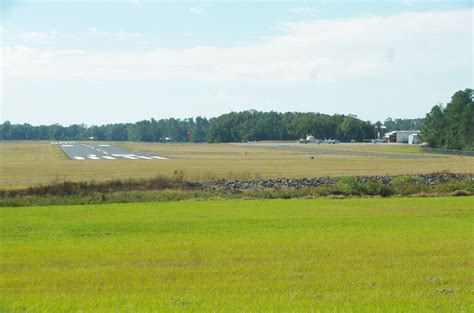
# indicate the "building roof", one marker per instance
pixel 410 132
pixel 407 131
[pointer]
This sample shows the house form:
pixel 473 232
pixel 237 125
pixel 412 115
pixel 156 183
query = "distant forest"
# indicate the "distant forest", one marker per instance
pixel 446 127
pixel 232 127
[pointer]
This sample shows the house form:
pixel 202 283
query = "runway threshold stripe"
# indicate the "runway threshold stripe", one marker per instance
pixel 93 157
pixel 129 157
pixel 159 158
pixel 108 157
pixel 79 158
pixel 143 157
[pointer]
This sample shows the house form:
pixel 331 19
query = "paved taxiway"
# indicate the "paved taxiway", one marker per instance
pixel 318 149
pixel 90 151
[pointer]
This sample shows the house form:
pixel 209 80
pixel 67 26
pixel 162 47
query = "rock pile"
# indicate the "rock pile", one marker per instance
pixel 285 183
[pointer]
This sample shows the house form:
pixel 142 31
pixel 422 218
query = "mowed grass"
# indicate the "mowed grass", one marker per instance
pixel 27 163
pixel 382 255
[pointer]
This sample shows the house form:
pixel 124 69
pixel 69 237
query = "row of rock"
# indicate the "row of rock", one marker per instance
pixel 285 183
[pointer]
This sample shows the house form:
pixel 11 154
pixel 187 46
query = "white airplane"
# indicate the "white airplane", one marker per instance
pixel 310 139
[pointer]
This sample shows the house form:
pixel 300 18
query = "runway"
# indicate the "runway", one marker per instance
pixel 319 149
pixel 107 152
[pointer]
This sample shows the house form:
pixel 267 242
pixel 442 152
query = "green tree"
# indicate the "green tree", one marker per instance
pixel 451 127
pixel 433 128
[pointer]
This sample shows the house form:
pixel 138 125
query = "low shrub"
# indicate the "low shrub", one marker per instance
pixel 69 188
pixel 377 189
pixel 407 180
pixel 467 185
pixel 176 188
pixel 410 189
pixel 348 186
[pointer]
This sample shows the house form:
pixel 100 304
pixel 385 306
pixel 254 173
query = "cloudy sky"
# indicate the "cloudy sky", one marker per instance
pixel 122 61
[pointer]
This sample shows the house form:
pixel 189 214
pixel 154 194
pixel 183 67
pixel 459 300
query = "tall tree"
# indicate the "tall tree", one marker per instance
pixel 451 127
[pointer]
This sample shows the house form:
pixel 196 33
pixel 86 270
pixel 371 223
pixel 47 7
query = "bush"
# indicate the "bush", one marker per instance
pixel 377 189
pixel 410 189
pixel 348 186
pixel 453 186
pixel 407 180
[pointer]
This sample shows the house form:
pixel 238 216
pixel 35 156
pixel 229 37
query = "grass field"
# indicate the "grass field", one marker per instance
pixel 382 255
pixel 27 163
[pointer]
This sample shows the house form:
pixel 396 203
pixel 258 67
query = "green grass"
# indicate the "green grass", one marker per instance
pixel 383 255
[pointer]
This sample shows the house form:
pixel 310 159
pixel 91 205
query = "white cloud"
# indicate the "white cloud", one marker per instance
pixel 400 46
pixel 115 35
pixel 38 36
pixel 199 8
pixel 222 95
pixel 196 10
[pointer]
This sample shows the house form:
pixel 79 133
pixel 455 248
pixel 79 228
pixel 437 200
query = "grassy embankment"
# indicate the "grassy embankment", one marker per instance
pixel 30 163
pixel 165 189
pixel 393 255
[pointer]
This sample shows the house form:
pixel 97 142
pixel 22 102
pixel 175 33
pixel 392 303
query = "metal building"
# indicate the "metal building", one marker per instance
pixel 401 136
pixel 414 139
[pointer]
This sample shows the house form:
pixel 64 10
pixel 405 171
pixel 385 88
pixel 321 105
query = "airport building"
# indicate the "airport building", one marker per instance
pixel 403 136
pixel 414 139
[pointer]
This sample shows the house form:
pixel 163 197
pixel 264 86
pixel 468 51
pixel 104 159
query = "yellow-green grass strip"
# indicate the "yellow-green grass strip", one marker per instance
pixel 383 255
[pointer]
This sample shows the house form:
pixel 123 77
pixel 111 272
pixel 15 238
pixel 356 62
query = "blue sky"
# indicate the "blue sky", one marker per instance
pixel 122 61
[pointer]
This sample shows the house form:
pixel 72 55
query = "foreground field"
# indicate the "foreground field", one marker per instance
pixel 286 255
pixel 27 163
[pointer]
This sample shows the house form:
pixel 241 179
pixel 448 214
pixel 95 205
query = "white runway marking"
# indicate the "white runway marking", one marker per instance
pixel 129 157
pixel 83 151
pixel 143 157
pixel 159 158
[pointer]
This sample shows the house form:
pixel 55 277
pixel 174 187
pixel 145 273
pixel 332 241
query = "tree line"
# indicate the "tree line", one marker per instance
pixel 451 126
pixel 232 127
pixel 403 124
pixel 248 125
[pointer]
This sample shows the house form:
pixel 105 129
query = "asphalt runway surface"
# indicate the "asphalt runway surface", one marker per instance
pixel 90 151
pixel 308 148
